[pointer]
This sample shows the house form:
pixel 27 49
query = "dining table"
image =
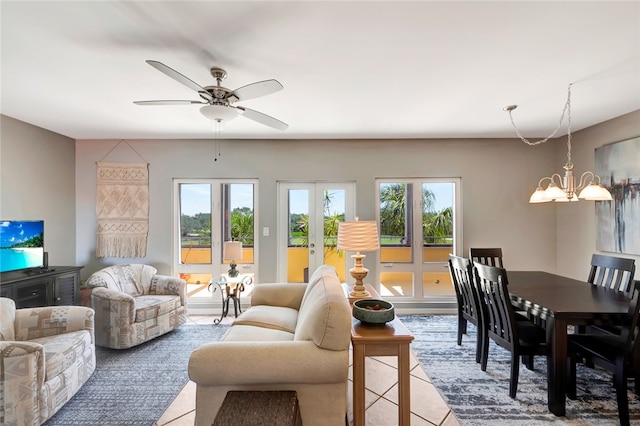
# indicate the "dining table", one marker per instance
pixel 559 302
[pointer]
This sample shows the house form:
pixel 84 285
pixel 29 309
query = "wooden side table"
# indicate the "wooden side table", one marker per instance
pixel 390 339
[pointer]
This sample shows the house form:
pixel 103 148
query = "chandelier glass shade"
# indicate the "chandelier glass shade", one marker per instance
pixel 562 189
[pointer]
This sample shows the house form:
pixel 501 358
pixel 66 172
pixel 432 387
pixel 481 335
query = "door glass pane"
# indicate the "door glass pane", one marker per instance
pixel 395 222
pixel 334 206
pixel 396 284
pixel 195 223
pixel 238 218
pixel 298 236
pixel 437 233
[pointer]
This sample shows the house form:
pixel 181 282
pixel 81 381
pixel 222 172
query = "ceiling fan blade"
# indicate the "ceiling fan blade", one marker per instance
pixel 262 118
pixel 255 90
pixel 168 102
pixel 180 78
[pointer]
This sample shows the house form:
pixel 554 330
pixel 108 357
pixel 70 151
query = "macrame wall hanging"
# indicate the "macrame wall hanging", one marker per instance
pixel 122 208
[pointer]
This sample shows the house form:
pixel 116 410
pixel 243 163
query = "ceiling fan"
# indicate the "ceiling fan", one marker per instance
pixel 218 101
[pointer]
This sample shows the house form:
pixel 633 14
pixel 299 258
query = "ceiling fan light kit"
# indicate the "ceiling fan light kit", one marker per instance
pixel 562 189
pixel 218 100
pixel 219 112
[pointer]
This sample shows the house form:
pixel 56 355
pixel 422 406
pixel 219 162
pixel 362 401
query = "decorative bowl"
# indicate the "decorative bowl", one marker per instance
pixel 373 311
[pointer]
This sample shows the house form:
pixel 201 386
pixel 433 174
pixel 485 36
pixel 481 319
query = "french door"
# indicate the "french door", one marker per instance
pixel 308 216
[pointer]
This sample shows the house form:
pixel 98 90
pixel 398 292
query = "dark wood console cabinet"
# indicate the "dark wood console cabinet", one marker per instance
pixel 57 285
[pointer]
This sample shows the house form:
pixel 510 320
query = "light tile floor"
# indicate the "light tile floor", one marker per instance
pixel 381 395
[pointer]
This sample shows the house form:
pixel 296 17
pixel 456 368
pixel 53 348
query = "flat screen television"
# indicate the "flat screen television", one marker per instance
pixel 21 244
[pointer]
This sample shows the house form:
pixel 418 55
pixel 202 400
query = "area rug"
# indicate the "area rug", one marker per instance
pixel 135 386
pixel 482 398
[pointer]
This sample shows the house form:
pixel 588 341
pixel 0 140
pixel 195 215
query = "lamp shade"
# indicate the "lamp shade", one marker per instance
pixel 358 236
pixel 232 250
pixel 219 112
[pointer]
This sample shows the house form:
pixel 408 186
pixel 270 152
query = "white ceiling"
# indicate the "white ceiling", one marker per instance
pixel 418 69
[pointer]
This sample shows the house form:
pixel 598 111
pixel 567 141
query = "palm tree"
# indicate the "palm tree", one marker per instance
pixel 439 227
pixel 393 208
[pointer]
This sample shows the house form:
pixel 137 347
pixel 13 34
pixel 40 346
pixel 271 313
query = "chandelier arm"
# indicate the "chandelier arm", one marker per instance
pixel 584 182
pixel 542 180
pixel 560 182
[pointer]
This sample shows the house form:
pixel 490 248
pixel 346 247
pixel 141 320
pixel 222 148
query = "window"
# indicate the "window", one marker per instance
pixel 209 212
pixel 418 231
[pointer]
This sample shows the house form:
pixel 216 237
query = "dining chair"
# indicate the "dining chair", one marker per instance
pixel 487 256
pixel 522 338
pixel 619 354
pixel 467 295
pixel 611 272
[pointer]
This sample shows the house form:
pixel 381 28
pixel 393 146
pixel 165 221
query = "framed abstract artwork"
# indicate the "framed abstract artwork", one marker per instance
pixel 618 221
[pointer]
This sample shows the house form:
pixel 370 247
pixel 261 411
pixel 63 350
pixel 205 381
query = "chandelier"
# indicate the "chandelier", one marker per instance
pixel 564 188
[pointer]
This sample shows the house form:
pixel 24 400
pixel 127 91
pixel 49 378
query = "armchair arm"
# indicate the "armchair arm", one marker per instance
pixel 164 284
pixel 111 303
pixel 266 362
pixel 280 294
pixel 33 323
pixel 22 363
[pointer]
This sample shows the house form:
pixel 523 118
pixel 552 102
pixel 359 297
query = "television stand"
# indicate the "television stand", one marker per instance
pixel 30 288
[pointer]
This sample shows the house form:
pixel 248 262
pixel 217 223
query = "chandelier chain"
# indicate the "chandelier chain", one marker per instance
pixel 565 110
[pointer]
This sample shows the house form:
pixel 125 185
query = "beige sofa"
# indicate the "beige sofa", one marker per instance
pixel 293 337
pixel 133 304
pixel 46 355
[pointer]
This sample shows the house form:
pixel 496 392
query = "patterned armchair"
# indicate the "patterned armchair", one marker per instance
pixel 134 305
pixel 46 355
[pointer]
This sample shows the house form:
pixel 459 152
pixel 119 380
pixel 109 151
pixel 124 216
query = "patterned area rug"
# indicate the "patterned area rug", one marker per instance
pixel 135 386
pixel 482 398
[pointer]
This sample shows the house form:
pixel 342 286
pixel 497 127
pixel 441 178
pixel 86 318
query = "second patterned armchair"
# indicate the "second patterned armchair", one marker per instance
pixel 133 305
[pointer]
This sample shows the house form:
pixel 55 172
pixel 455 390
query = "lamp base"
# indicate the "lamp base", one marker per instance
pixel 233 272
pixel 359 273
pixel 359 293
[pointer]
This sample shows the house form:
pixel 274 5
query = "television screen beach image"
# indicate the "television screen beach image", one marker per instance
pixel 21 245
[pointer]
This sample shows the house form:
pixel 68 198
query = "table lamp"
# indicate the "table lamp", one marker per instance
pixel 358 236
pixel 232 250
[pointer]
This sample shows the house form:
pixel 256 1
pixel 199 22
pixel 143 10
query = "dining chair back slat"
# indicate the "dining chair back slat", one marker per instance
pixel 487 256
pixel 612 272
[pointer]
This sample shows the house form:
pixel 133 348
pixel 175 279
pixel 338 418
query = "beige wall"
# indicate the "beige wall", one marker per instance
pixel 576 236
pixel 37 182
pixel 497 179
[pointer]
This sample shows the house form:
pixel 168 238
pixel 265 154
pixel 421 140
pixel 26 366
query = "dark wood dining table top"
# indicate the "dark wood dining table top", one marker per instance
pixel 566 298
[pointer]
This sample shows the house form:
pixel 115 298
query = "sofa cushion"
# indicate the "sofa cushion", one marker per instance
pixel 7 319
pixel 323 316
pixel 152 306
pixel 275 317
pixel 63 350
pixel 249 333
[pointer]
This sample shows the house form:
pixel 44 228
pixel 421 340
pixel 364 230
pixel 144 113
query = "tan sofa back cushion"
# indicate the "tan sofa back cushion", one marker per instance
pixel 325 317
pixel 7 319
pixel 131 279
pixel 323 271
